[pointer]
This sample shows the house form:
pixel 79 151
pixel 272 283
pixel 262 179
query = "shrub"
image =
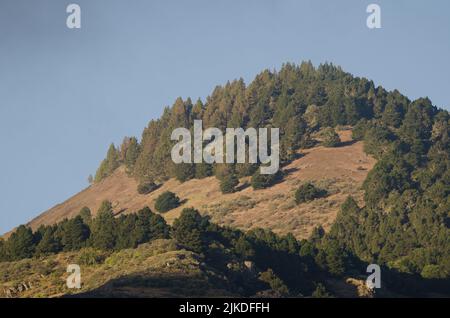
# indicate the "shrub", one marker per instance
pixel 90 256
pixel 433 272
pixel 320 292
pixel 330 137
pixel 166 202
pixel 359 130
pixel 274 282
pixel 203 170
pixel 308 192
pixel 184 171
pixel 228 183
pixel 245 169
pixel 262 181
pixel 147 187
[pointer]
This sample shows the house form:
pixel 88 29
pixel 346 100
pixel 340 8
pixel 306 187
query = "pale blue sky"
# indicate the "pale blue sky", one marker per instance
pixel 65 95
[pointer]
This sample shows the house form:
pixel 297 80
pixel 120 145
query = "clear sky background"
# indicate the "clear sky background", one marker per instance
pixel 65 95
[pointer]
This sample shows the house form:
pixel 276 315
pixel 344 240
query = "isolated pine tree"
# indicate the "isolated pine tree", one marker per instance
pixel 108 165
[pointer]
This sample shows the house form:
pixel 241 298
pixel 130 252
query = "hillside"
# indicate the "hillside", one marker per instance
pixel 162 268
pixel 339 170
pixel 156 269
pixel 366 180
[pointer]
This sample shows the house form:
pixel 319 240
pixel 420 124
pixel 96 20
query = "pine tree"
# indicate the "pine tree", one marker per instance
pixel 127 233
pixel 49 244
pixel 108 165
pixel 166 202
pixel 75 234
pixel 143 228
pixel 3 251
pixel 244 248
pixel 228 183
pixel 132 152
pixel 86 216
pixel 104 228
pixel 158 227
pixel 189 230
pixel 21 243
pixel 184 171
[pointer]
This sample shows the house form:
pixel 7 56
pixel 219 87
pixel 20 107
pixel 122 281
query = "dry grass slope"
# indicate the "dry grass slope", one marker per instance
pixel 340 171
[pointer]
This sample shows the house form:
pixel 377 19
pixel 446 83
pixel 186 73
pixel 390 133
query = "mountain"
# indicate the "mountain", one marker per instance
pixel 365 179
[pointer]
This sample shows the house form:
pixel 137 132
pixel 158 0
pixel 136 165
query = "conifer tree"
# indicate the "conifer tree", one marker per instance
pixel 86 216
pixel 104 228
pixel 127 232
pixel 49 244
pixel 108 165
pixel 131 153
pixel 75 234
pixel 203 170
pixel 166 202
pixel 3 251
pixel 228 183
pixel 184 171
pixel 21 243
pixel 189 230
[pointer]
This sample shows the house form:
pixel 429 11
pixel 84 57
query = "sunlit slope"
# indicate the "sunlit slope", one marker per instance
pixel 339 170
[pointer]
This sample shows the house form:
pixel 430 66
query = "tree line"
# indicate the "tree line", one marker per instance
pixel 406 214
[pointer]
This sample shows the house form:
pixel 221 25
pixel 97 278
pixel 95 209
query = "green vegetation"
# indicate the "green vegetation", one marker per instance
pixel 104 232
pixel 330 137
pixel 189 228
pixel 262 181
pixel 404 224
pixel 308 192
pixel 228 183
pixel 146 187
pixel 320 292
pixel 275 283
pixel 108 165
pixel 166 202
pixel 21 244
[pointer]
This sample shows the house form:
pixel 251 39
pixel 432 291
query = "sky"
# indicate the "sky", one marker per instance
pixel 66 94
